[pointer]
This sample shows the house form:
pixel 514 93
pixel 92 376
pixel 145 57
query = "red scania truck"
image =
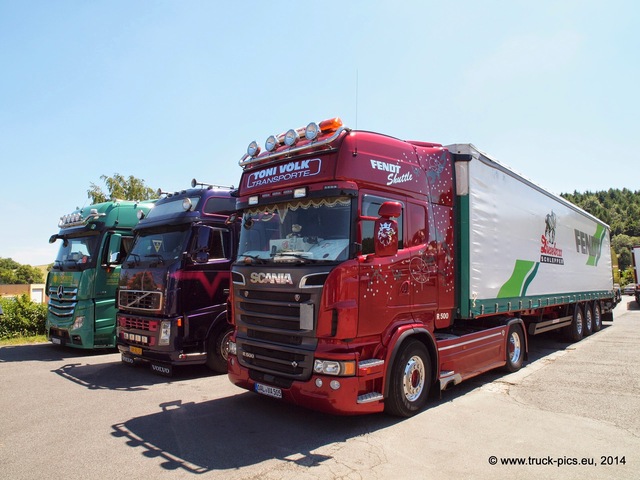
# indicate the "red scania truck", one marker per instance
pixel 174 283
pixel 371 269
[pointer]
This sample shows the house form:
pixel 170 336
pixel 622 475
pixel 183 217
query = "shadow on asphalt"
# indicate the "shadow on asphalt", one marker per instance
pixel 237 431
pixel 247 428
pixel 240 430
pixel 633 305
pixel 113 375
pixel 119 376
pixel 45 352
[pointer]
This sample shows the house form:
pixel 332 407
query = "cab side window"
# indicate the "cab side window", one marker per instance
pixel 212 244
pixel 370 206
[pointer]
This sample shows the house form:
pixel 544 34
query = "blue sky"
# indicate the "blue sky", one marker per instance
pixel 170 90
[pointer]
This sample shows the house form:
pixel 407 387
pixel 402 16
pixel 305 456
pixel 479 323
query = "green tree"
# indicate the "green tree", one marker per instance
pixel 624 259
pixel 11 272
pixel 120 187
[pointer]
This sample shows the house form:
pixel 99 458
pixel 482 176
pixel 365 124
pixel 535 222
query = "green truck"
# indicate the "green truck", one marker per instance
pixel 83 280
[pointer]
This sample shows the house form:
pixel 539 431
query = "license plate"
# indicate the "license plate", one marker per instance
pixel 57 341
pixel 268 391
pixel 135 350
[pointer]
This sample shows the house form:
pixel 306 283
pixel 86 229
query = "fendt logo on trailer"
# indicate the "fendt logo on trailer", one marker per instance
pixel 590 245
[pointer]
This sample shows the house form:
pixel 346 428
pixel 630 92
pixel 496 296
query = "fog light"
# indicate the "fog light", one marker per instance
pixel 318 382
pixel 335 384
pixel 78 323
pixel 165 332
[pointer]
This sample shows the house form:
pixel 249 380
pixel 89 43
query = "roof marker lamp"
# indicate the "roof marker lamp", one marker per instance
pixel 291 138
pixel 300 192
pixel 312 131
pixel 330 125
pixel 253 200
pixel 253 149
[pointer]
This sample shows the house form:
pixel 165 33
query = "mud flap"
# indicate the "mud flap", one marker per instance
pixel 162 369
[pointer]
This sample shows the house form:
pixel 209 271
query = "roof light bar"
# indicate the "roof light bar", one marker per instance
pixel 291 138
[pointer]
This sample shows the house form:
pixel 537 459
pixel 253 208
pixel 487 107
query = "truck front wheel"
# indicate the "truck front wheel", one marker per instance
pixel 218 349
pixel 515 349
pixel 410 380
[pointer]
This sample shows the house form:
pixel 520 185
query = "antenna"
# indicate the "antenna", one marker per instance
pixel 356 99
pixel 355 140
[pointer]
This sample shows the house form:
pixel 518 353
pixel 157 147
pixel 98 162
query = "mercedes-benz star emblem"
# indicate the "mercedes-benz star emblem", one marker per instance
pixel 60 291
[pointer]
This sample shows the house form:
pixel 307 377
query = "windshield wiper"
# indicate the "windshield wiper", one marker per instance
pixel 156 255
pixel 283 256
pixel 135 261
pixel 254 257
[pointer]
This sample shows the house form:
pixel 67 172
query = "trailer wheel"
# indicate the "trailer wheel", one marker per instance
pixel 410 380
pixel 218 349
pixel 588 320
pixel 597 317
pixel 574 331
pixel 515 349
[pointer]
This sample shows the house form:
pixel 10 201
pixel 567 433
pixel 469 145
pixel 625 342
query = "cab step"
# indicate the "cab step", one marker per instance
pixel 370 397
pixel 448 378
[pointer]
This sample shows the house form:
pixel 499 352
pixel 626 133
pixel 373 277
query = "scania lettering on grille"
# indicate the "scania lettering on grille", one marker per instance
pixel 279 278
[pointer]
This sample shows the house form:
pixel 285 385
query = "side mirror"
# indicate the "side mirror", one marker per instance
pixel 200 253
pixel 53 238
pixel 115 243
pixel 201 257
pixel 385 230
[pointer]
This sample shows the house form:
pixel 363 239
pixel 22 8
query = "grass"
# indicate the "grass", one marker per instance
pixel 23 340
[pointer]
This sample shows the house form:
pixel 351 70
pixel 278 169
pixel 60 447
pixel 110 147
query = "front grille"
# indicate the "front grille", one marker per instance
pixel 140 300
pixel 62 301
pixel 275 339
pixel 132 323
pixel 292 364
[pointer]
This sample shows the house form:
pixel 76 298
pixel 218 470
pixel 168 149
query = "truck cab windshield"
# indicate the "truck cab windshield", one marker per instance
pixel 309 230
pixel 77 253
pixel 155 247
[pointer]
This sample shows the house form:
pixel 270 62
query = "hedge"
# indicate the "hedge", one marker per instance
pixel 22 317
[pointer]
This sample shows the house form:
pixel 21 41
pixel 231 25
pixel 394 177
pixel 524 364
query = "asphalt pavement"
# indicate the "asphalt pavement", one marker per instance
pixel 571 412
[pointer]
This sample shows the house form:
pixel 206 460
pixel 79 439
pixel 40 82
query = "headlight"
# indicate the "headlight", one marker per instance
pixel 78 323
pixel 335 367
pixel 165 332
pixel 233 350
